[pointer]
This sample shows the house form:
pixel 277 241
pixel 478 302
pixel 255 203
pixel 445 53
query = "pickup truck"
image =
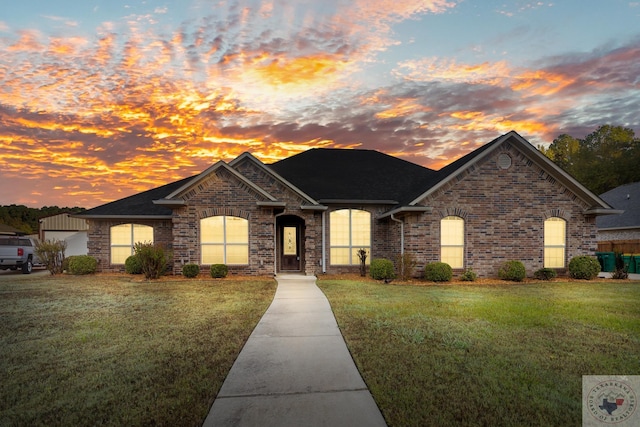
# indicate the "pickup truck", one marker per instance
pixel 17 252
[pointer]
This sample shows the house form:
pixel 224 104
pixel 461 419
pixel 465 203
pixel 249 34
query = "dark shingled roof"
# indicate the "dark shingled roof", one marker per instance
pixel 618 199
pixel 339 174
pixel 140 204
pixel 452 167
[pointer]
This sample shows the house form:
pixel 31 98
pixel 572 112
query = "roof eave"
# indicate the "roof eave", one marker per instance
pixel 314 207
pixel 271 204
pixel 357 202
pixel 628 227
pixel 137 217
pixel 170 203
pixel 406 209
pixel 596 210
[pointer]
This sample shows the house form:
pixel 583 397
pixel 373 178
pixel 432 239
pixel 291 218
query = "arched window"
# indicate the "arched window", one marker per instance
pixel 350 231
pixel 452 241
pixel 555 237
pixel 224 240
pixel 124 237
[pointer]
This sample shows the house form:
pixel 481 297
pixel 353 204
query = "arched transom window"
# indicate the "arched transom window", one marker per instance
pixel 452 241
pixel 555 237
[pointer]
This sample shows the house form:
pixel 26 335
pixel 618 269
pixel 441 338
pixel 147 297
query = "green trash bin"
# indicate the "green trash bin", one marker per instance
pixel 629 265
pixel 607 261
pixel 635 261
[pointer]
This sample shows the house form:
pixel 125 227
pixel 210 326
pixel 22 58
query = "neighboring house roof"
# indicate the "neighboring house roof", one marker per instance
pixel 626 198
pixel 139 205
pixel 335 175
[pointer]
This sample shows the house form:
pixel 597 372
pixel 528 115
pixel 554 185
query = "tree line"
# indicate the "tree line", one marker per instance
pixel 603 160
pixel 26 219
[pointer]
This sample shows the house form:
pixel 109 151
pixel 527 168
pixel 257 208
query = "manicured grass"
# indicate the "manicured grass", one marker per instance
pixel 486 355
pixel 109 350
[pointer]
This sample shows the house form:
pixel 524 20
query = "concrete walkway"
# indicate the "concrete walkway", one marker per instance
pixel 295 369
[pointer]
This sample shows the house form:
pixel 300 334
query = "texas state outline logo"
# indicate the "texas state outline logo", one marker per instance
pixel 611 401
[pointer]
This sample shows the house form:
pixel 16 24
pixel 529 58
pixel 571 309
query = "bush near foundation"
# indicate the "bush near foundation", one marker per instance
pixel 545 274
pixel 469 276
pixel 438 272
pixel 51 254
pixel 512 270
pixel 584 267
pixel 82 264
pixel 190 270
pixel 382 269
pixel 132 265
pixel 219 271
pixel 153 259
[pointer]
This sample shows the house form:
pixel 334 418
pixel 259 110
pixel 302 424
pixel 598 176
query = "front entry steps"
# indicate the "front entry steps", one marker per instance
pixel 295 276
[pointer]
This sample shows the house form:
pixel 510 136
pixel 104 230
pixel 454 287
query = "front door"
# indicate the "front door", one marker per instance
pixel 290 248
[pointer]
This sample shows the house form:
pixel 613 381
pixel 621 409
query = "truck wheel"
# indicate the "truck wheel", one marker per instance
pixel 27 267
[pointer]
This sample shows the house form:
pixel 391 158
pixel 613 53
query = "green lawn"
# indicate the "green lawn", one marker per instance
pixel 486 355
pixel 108 350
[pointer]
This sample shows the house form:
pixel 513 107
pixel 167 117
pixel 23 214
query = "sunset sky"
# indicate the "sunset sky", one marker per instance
pixel 101 99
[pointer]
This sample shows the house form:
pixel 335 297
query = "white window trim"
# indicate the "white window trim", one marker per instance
pixel 224 243
pixel 351 247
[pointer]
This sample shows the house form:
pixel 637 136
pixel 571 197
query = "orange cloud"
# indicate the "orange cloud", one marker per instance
pixel 403 107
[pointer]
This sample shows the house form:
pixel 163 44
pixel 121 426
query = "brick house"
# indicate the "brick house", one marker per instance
pixel 312 212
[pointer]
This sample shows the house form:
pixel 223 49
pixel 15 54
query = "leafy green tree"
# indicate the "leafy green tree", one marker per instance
pixel 563 151
pixel 604 159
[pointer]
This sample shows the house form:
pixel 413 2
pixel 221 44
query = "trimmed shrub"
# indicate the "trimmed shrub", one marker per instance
pixel 469 276
pixel 190 270
pixel 132 265
pixel 438 272
pixel 51 254
pixel 406 266
pixel 382 269
pixel 218 271
pixel 545 274
pixel 512 270
pixel 153 259
pixel 82 264
pixel 584 267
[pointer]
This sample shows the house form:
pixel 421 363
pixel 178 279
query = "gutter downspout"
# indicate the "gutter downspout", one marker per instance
pixel 324 249
pixel 393 218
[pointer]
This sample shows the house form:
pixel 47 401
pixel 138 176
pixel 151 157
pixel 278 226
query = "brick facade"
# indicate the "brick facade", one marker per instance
pixel 504 212
pixel 504 198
